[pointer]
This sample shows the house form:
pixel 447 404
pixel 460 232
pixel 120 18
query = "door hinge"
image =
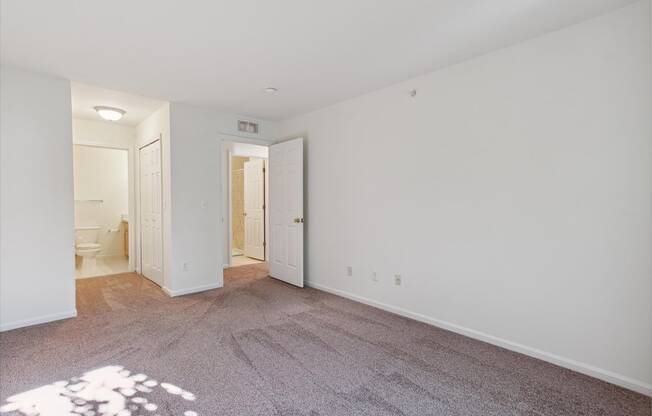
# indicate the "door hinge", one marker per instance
pixel 263 170
pixel 264 243
pixel 264 206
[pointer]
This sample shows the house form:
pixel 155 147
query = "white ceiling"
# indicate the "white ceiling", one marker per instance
pixel 86 97
pixel 224 53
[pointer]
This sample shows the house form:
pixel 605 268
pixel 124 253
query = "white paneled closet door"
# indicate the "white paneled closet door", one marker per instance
pixel 254 209
pixel 151 218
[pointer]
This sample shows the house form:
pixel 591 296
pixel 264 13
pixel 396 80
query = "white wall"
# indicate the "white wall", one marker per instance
pixel 196 216
pixel 36 199
pixel 248 150
pixel 193 224
pixel 102 132
pixel 102 174
pixel 512 194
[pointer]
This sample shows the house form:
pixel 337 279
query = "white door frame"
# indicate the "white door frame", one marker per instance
pixel 229 209
pixel 227 200
pixel 138 212
pixel 134 223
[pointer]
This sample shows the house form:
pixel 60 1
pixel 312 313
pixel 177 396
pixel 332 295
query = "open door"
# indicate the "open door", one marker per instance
pixel 151 237
pixel 254 209
pixel 286 211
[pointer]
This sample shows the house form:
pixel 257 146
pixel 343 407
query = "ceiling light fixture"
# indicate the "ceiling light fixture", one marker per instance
pixel 110 113
pixel 271 90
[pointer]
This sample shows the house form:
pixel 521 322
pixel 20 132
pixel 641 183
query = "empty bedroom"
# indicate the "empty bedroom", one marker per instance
pixel 290 207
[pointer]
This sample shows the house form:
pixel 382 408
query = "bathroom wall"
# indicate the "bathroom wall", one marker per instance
pixel 102 174
pixel 102 132
pixel 237 201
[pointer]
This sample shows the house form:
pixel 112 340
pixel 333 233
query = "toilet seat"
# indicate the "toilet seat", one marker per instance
pixel 88 250
pixel 88 246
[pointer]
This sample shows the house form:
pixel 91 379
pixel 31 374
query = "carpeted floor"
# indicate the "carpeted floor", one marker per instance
pixel 262 347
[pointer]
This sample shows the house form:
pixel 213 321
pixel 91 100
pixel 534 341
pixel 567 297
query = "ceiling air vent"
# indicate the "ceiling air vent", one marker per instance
pixel 247 127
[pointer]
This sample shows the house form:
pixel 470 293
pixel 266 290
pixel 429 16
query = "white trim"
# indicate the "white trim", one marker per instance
pixel 159 137
pixel 103 144
pixel 229 207
pixel 236 138
pixel 187 291
pixel 38 320
pixel 587 369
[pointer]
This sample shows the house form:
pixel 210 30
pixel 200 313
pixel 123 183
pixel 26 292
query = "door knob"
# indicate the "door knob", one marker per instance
pixel 298 220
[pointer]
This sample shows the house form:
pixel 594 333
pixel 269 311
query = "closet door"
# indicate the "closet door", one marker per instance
pixel 151 241
pixel 254 209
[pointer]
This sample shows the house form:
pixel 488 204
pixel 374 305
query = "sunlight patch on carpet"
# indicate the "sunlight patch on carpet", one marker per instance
pixel 106 391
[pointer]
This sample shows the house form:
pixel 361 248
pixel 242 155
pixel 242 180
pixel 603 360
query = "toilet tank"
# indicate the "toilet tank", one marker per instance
pixel 87 234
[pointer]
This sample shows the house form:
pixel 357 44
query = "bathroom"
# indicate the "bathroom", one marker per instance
pixel 101 183
pixel 106 126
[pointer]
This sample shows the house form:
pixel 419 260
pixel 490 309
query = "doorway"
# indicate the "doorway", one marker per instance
pixel 248 210
pixel 264 221
pixel 102 190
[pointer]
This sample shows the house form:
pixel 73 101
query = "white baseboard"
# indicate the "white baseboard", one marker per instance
pixel 38 320
pixel 187 291
pixel 587 369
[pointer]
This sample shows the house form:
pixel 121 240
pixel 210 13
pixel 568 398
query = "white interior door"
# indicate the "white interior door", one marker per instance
pixel 286 211
pixel 254 209
pixel 151 241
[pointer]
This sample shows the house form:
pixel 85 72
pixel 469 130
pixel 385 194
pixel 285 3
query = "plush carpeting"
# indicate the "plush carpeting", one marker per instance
pixel 262 347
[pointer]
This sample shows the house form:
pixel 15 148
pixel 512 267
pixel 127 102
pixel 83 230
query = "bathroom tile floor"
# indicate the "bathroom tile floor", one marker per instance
pixel 243 261
pixel 104 266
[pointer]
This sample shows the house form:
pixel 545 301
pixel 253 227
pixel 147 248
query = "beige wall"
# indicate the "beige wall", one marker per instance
pixel 237 200
pixel 102 174
pixel 102 132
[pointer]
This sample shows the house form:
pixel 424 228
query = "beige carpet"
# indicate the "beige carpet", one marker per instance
pixel 262 347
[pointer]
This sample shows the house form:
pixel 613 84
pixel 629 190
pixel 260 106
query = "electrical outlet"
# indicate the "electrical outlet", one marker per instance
pixel 186 266
pixel 374 276
pixel 398 279
pixel 349 271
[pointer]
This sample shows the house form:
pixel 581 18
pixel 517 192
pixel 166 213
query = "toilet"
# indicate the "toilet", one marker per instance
pixel 86 243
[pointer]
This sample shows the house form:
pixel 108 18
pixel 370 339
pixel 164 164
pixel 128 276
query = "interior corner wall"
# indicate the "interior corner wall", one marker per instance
pixel 195 198
pixel 512 194
pixel 36 199
pixel 193 223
